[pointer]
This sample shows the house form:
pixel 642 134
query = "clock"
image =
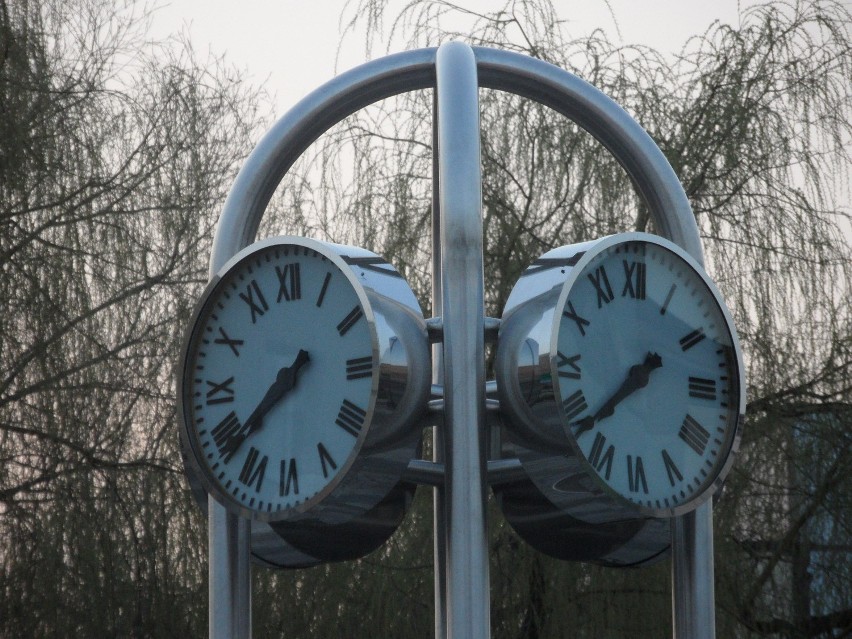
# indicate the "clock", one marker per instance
pixel 621 379
pixel 303 377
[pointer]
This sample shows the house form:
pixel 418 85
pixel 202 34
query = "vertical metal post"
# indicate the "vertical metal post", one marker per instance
pixel 439 523
pixel 229 539
pixel 462 294
pixel 693 582
pixel 693 608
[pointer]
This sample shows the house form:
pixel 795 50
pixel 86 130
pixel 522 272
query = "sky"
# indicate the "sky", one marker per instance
pixel 291 46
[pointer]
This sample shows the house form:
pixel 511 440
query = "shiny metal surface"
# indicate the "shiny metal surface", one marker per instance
pixel 412 70
pixel 468 611
pixel 362 506
pixel 439 520
pixel 693 575
pixel 503 70
pixel 528 378
pixel 400 388
pixel 229 610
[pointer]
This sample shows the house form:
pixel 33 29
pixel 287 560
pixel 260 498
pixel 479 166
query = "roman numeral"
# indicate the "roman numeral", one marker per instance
pixel 220 392
pixel 636 475
pixel 634 280
pixel 597 460
pixel 252 471
pixel 324 288
pixel 359 367
pixel 223 432
pixel 694 434
pixel 702 388
pixel 601 283
pixel 233 343
pixel 671 469
pixel 562 360
pixel 288 479
pixel 326 460
pixel 580 321
pixel 349 321
pixel 289 282
pixel 691 339
pixel 351 418
pixel 257 307
pixel 574 405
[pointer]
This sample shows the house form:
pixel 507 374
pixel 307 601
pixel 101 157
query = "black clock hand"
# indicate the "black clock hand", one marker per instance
pixel 637 378
pixel 284 382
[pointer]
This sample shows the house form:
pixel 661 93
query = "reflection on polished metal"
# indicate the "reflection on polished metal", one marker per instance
pixel 439 521
pixel 556 505
pixel 230 577
pixel 462 292
pixel 358 506
pixel 554 365
pixel 618 132
pixel 692 574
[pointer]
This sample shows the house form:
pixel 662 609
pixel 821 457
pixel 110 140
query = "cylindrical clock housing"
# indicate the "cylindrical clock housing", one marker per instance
pixel 305 370
pixel 621 385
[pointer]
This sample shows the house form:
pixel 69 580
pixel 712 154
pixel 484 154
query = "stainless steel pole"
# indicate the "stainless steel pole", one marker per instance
pixel 692 575
pixel 229 573
pixel 439 523
pixel 462 294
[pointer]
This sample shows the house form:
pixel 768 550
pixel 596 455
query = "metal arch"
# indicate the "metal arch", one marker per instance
pixel 541 81
pixel 692 569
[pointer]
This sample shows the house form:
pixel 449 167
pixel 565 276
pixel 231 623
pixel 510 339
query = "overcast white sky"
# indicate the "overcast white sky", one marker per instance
pixel 291 45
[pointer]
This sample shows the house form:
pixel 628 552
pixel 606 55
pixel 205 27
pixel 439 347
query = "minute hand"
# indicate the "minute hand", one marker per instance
pixel 637 378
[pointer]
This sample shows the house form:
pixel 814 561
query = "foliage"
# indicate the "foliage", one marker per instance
pixel 113 160
pixel 115 156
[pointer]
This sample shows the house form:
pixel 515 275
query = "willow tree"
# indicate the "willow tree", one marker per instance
pixel 115 155
pixel 755 120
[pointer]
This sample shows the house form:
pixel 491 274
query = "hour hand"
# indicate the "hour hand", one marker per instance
pixel 284 382
pixel 582 425
pixel 637 377
pixel 232 444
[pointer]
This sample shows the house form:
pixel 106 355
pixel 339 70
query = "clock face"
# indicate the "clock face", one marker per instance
pixel 279 379
pixel 647 372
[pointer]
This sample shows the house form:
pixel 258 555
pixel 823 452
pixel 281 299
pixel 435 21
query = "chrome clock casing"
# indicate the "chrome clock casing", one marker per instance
pixel 397 384
pixel 542 410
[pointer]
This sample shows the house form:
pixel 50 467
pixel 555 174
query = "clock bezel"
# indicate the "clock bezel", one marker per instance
pixel 321 504
pixel 733 436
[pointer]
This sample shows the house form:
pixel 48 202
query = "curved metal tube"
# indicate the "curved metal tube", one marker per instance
pixel 629 143
pixel 528 77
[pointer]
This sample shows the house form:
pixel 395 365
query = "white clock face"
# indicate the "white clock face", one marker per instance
pixel 279 380
pixel 647 374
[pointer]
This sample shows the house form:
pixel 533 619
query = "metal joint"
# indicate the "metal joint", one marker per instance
pixel 492 328
pixel 435 329
pixel 422 471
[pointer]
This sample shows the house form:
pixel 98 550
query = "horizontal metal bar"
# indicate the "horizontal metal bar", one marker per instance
pixel 430 473
pixel 435 329
pixel 422 471
pixel 492 328
pixel 437 405
pixel 505 471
